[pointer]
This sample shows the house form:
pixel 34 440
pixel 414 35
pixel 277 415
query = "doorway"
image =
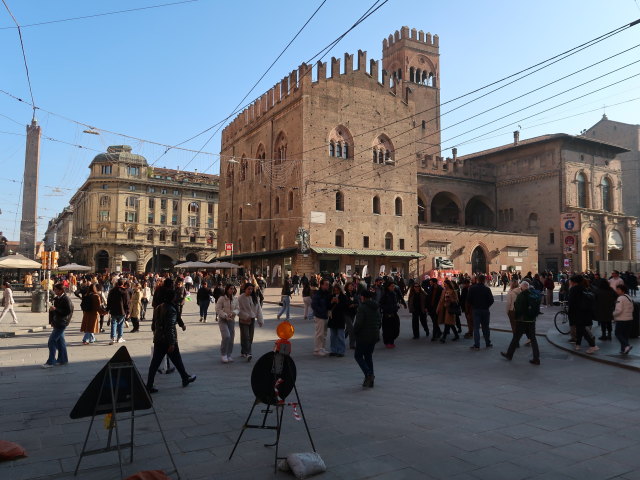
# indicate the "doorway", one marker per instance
pixel 478 261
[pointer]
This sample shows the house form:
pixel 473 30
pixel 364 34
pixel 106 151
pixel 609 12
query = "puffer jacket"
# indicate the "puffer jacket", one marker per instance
pixel 624 309
pixel 165 317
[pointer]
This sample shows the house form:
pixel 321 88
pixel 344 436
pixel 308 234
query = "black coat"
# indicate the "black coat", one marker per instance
pixel 366 328
pixel 605 304
pixel 338 310
pixel 61 316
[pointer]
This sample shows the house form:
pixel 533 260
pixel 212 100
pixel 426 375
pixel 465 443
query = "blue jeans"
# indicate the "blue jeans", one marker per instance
pixel 481 319
pixel 337 341
pixel 364 356
pixel 117 324
pixel 89 337
pixel 286 304
pixel 57 343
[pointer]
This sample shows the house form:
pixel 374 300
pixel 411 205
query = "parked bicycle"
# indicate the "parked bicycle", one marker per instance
pixel 561 319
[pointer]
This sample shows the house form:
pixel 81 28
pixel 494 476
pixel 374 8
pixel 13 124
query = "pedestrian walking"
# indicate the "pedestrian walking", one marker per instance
pixel 480 298
pixel 165 342
pixel 449 310
pixel 306 300
pixel 366 329
pixel 249 313
pixel 118 306
pixel 526 310
pixel 60 314
pixel 389 306
pixel 623 316
pixel 285 299
pixel 321 304
pixel 8 302
pixel 606 298
pixel 227 309
pixel 417 304
pixel 90 306
pixel 146 298
pixel 203 299
pixel 582 311
pixel 336 323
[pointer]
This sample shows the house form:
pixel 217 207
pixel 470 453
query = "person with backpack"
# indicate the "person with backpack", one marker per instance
pixel 526 309
pixel 582 312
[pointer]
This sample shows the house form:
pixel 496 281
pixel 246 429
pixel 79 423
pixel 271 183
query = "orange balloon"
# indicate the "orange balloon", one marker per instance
pixel 285 330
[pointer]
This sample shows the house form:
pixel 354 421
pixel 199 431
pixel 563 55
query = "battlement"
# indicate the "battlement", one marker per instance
pixel 456 167
pixel 411 34
pixel 291 88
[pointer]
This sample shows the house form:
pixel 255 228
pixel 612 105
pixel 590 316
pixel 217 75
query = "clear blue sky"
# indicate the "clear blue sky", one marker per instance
pixel 166 74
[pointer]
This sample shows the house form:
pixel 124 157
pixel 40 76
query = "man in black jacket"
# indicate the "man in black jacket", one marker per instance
pixel 165 342
pixel 433 298
pixel 480 299
pixel 389 306
pixel 59 317
pixel 118 306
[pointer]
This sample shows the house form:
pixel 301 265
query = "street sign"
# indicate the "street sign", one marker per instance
pixel 570 222
pixel 567 262
pixel 228 247
pixel 569 240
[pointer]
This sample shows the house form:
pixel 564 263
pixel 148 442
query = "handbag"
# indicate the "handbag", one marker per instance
pixel 454 309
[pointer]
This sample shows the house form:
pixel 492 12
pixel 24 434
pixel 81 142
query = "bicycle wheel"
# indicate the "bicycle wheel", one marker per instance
pixel 561 320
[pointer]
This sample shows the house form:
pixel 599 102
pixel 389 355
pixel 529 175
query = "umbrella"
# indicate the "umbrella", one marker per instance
pixel 74 267
pixel 193 265
pixel 223 265
pixel 18 261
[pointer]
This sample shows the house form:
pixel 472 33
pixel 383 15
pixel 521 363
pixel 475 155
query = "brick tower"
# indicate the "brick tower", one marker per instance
pixel 411 61
pixel 29 223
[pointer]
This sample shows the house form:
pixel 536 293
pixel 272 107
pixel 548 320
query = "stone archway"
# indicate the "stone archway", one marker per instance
pixel 478 260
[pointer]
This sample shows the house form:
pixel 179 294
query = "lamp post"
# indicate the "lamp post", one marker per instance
pixel 233 162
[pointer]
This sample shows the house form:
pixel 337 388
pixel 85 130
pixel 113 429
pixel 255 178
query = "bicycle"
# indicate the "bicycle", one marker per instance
pixel 561 319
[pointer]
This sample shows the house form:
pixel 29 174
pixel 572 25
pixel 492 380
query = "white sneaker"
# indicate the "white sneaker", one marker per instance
pixel 47 365
pixel 225 359
pixel 229 359
pixel 577 348
pixel 113 340
pixel 320 353
pixel 593 349
pixel 121 340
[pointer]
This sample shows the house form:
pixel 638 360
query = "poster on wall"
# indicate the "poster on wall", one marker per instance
pixel 348 270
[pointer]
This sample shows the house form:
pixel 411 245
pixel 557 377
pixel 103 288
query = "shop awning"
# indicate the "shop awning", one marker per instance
pixel 268 253
pixel 365 252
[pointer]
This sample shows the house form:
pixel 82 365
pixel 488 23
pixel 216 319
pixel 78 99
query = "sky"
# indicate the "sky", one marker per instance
pixel 166 74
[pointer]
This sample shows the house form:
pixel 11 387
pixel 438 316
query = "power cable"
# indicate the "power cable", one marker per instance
pixel 24 56
pixel 259 80
pixel 100 14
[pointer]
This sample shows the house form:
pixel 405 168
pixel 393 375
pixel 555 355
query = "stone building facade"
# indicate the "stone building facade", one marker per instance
pixel 59 235
pixel 128 216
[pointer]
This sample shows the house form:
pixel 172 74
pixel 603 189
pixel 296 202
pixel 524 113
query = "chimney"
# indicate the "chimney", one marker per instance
pixel 454 151
pixel 516 137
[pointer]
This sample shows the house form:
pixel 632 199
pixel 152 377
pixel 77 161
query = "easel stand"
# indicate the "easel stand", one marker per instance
pixel 279 411
pixel 116 375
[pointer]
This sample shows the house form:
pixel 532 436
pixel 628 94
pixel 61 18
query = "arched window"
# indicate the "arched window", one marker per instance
pixel 339 140
pixel 174 236
pixel 290 203
pixel 259 209
pixel 339 201
pixel 277 205
pixel 607 204
pixel 105 201
pixel 375 155
pixel 385 149
pixel 280 149
pixel 388 241
pixel 150 236
pixel 339 238
pixel 581 184
pixel 244 168
pixel 422 211
pixel 376 205
pixel 194 207
pixel 533 220
pixel 260 156
pixel 398 207
pixel 103 233
pixel 131 202
pixel 131 234
pixel 240 214
pixel 163 235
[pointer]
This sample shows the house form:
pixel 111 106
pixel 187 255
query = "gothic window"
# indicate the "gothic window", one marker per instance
pixel 388 241
pixel 280 151
pixel 376 205
pixel 339 238
pixel 150 236
pixel 581 184
pixel 339 141
pixel 332 149
pixel 244 167
pixel 339 201
pixel 194 207
pixel 605 184
pixel 398 206
pixel 338 149
pixel 385 149
pixel 260 156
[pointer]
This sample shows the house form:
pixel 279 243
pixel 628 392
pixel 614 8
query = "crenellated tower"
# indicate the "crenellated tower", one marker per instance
pixel 411 62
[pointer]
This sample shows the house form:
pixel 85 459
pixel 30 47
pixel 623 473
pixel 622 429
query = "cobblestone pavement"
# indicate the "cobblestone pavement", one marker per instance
pixel 437 411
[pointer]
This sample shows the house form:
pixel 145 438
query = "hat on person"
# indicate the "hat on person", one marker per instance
pixel 524 284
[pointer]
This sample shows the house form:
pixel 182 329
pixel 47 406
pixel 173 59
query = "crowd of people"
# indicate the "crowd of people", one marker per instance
pixel 347 312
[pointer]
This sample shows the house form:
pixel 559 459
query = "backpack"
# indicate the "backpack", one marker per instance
pixel 588 302
pixel 533 303
pixel 85 303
